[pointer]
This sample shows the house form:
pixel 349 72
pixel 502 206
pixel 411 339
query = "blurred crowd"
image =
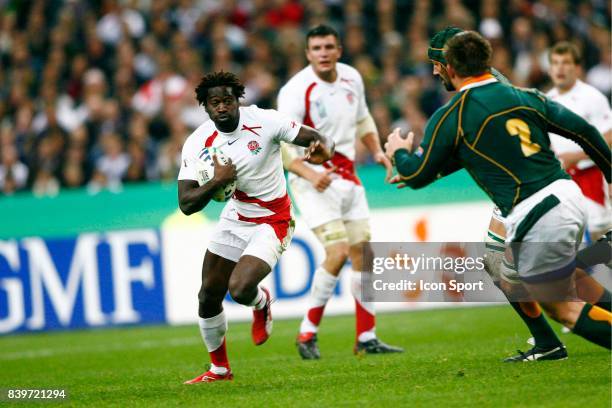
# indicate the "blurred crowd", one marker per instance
pixel 100 93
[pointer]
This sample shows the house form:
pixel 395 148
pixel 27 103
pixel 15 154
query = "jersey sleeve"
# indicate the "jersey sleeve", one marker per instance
pixel 451 167
pixel 188 170
pixel 362 107
pixel 601 117
pixel 566 123
pixel 431 158
pixel 284 128
pixel 291 104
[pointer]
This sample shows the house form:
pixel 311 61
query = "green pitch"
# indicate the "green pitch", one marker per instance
pixel 453 358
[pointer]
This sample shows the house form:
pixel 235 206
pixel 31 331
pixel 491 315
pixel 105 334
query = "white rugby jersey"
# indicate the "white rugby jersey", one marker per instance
pixel 587 102
pixel 332 108
pixel 254 148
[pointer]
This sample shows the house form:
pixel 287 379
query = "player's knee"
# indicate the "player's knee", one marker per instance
pixel 241 292
pixel 336 255
pixel 361 250
pixel 362 256
pixel 358 231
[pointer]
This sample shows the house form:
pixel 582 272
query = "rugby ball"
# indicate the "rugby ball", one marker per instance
pixel 205 171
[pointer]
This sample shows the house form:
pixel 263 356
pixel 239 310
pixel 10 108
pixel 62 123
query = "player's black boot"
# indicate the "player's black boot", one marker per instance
pixel 375 346
pixel 307 346
pixel 539 354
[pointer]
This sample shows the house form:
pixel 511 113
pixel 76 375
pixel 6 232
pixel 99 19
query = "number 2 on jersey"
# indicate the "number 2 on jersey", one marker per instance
pixel 517 127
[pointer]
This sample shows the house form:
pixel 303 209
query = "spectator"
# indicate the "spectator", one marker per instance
pixel 45 184
pixel 13 173
pixel 112 166
pixel 137 169
pixel 71 72
pixel 75 168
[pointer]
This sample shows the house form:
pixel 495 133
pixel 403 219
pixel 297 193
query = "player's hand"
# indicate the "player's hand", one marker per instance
pixel 395 142
pixel 397 180
pixel 317 153
pixel 322 180
pixel 384 161
pixel 224 174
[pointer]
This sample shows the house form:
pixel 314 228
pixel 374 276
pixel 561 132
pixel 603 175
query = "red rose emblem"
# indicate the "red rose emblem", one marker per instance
pixel 254 147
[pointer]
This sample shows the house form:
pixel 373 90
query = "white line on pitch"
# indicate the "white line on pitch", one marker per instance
pixel 146 344
pixel 141 345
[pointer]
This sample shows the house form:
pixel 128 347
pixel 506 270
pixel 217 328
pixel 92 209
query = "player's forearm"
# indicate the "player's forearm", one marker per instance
pixel 413 172
pixel 372 143
pixel 300 169
pixel 193 198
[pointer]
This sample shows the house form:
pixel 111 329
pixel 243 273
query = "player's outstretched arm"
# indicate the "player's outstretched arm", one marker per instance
pixel 423 166
pixel 368 134
pixel 193 197
pixel 372 143
pixel 451 167
pixel 566 123
pixel 294 163
pixel 320 148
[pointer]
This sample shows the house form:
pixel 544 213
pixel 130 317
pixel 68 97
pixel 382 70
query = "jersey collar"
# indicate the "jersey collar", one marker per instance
pixel 318 78
pixel 480 80
pixel 569 91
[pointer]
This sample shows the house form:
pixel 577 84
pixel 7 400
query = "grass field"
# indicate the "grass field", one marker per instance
pixel 452 359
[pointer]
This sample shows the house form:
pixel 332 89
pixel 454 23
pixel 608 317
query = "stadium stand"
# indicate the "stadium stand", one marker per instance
pixel 99 93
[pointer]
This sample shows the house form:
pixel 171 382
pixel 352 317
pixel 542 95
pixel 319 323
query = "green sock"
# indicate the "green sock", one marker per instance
pixel 594 325
pixel 541 331
pixel 605 301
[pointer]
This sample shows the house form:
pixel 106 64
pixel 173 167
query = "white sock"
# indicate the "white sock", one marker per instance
pixel 213 331
pixel 368 306
pixel 218 370
pixel 322 289
pixel 260 300
pixel 356 291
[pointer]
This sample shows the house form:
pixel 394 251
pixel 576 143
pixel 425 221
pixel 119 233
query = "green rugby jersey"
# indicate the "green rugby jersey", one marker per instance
pixel 499 134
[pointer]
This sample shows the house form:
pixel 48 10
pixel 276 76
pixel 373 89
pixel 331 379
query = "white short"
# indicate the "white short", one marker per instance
pixel 234 238
pixel 599 216
pixel 342 200
pixel 545 243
